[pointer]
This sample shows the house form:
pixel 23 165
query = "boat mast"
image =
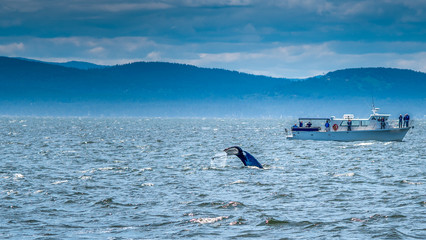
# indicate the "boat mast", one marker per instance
pixel 374 109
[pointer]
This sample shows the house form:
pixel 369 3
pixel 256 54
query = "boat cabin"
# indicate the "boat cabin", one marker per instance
pixel 348 128
pixel 375 121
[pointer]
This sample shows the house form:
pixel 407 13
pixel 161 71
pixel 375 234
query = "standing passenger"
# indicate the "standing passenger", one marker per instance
pixel 407 119
pixel 300 123
pixel 400 121
pixel 327 126
pixel 349 125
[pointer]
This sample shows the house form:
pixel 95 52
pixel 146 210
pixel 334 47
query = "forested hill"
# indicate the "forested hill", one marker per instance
pixel 140 81
pixel 169 89
pixel 378 82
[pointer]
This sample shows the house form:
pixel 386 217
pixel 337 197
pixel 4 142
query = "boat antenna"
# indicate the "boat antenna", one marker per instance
pixel 374 107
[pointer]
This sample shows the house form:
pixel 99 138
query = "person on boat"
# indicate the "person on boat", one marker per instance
pixel 300 123
pixel 406 120
pixel 400 121
pixel 349 125
pixel 382 123
pixel 295 125
pixel 309 124
pixel 327 126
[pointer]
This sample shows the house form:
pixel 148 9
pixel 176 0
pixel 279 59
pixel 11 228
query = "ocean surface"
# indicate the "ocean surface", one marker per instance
pixel 155 178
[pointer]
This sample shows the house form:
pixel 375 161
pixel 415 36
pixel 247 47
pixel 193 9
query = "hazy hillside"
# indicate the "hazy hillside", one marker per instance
pixel 361 82
pixel 71 64
pixel 167 89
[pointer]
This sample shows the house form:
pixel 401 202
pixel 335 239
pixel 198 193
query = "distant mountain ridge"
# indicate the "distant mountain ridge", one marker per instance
pixel 71 64
pixel 171 89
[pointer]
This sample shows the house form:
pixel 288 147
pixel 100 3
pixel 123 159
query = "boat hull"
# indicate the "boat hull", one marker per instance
pixel 395 134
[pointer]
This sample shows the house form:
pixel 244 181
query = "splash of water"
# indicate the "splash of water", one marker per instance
pixel 219 160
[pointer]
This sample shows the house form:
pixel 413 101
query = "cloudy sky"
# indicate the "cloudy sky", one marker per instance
pixel 282 38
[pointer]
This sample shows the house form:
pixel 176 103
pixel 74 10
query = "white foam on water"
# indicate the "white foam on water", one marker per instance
pixel 59 182
pixel 105 168
pixel 364 144
pixel 17 176
pixel 238 182
pixel 147 184
pixel 351 174
pixel 207 220
pixel 145 169
pixel 411 183
pixel 10 191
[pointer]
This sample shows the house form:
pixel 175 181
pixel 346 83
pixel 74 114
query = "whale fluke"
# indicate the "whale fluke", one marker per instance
pixel 246 158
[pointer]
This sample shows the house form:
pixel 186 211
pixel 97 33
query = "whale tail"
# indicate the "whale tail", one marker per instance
pixel 251 161
pixel 245 157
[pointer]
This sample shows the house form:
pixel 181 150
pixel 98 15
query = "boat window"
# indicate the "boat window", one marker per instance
pixel 381 118
pixel 355 123
pixel 365 122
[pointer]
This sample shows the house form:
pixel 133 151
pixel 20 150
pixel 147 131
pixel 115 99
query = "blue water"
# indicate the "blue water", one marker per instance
pixel 148 178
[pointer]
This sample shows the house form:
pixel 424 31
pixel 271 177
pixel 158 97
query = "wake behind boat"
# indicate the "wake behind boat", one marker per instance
pixel 376 127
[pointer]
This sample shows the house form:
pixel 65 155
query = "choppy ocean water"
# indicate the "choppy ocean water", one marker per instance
pixel 148 178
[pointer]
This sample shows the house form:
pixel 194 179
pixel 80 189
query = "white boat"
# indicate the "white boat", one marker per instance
pixel 376 127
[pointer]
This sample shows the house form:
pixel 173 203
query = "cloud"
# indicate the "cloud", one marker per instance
pixel 5 23
pixel 278 59
pixel 12 48
pixel 215 3
pixel 289 38
pixel 122 7
pixel 97 50
pixel 153 56
pixel 24 6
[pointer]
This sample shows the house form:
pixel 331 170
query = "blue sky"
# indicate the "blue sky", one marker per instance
pixel 287 38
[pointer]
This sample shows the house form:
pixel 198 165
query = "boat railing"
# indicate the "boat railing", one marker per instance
pixel 395 123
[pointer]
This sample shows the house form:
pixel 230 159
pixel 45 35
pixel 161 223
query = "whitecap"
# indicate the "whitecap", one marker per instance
pixel 17 176
pixel 145 169
pixel 411 183
pixel 364 144
pixel 208 220
pixel 351 174
pixel 11 191
pixel 105 168
pixel 147 184
pixel 59 182
pixel 253 167
pixel 238 182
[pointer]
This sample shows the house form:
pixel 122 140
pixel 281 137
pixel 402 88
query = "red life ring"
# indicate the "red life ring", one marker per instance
pixel 335 127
